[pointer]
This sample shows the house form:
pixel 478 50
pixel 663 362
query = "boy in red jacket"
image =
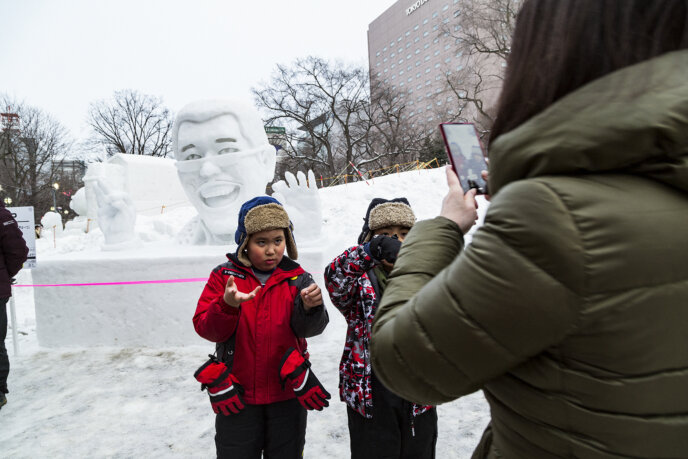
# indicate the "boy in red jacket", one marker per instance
pixel 259 307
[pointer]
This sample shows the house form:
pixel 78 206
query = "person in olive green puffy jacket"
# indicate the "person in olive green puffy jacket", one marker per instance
pixel 569 308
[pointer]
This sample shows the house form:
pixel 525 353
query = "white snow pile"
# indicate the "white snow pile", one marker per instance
pixel 144 402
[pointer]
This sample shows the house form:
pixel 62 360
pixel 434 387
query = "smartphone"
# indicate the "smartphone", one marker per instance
pixel 466 154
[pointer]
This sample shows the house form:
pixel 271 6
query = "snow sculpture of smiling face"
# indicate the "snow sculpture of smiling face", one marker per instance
pixel 223 160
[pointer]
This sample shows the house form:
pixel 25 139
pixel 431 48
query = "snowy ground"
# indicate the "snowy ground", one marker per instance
pixel 145 403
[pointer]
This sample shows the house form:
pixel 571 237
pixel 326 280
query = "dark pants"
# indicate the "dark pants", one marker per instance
pixel 392 432
pixel 4 360
pixel 278 430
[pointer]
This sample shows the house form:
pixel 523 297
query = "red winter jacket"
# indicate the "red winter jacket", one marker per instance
pixel 265 326
pixel 13 251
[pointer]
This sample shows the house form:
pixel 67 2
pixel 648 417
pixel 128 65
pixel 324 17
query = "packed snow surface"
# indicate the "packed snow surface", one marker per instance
pixel 143 402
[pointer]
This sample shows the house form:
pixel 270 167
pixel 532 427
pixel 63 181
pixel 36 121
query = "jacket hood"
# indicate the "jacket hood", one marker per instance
pixel 634 121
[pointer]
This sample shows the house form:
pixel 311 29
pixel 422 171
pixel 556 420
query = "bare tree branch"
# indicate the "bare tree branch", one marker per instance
pixel 131 123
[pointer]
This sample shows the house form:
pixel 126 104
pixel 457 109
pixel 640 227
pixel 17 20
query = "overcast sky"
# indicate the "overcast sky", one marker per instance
pixel 60 55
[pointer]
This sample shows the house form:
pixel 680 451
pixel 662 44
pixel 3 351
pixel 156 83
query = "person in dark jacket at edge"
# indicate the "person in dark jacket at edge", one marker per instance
pixel 13 253
pixel 259 307
pixel 381 424
pixel 569 308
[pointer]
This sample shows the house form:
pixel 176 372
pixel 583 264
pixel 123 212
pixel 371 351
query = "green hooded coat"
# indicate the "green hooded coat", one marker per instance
pixel 570 307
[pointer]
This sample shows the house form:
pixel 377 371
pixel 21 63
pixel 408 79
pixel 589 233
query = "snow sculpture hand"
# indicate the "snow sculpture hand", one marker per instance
pixel 116 216
pixel 301 200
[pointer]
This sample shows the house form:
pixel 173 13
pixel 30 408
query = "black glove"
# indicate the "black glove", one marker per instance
pixel 384 248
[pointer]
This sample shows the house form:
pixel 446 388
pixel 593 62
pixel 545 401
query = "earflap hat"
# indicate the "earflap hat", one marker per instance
pixel 386 212
pixel 260 214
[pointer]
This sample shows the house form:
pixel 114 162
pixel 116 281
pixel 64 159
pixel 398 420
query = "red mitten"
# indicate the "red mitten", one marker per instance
pixel 223 387
pixel 296 371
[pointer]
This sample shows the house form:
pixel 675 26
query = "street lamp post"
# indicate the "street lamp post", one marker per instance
pixel 56 186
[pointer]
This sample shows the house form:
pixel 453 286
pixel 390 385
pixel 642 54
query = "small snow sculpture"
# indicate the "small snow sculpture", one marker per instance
pixel 52 224
pixel 116 217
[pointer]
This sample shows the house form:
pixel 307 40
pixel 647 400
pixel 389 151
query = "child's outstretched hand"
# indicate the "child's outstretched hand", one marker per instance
pixel 234 297
pixel 311 296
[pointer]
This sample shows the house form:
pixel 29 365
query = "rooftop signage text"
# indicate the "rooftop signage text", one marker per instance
pixel 415 6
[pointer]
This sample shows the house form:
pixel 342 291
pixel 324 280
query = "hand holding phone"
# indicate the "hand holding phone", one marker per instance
pixel 466 155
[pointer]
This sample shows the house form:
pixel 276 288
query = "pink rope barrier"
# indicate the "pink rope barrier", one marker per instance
pixel 164 281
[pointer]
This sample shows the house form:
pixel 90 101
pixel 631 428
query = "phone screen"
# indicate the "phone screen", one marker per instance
pixel 465 154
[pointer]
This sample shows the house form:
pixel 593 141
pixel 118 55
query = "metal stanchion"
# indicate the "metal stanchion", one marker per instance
pixel 13 318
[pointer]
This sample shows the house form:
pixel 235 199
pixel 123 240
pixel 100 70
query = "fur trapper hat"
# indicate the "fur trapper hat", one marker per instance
pixel 384 212
pixel 260 214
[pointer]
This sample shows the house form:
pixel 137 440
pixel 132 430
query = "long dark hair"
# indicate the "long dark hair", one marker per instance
pixel 560 45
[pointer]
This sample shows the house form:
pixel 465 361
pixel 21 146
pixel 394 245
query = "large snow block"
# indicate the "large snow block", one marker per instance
pixel 143 314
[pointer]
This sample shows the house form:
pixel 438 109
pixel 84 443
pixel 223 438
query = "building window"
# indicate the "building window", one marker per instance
pixel 447 60
pixel 427 58
pixel 437 53
pixel 417 51
pixel 427 70
pixel 425 21
pixel 409 79
pixel 392 55
pixel 415 40
pixel 378 54
pixel 415 27
pixel 426 33
pixel 445 7
pixel 435 14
